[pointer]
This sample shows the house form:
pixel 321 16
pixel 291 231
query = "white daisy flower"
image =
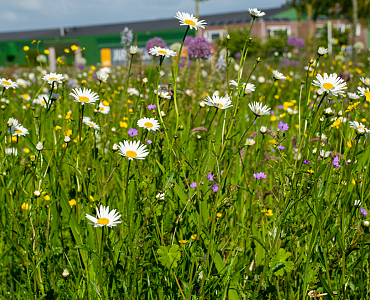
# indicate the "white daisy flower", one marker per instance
pixel 353 96
pixel 263 129
pixel 133 91
pixel 132 150
pixel 218 102
pixel 356 125
pixel 133 50
pixel 53 77
pixel 163 94
pixel 106 70
pixel 148 123
pixel 330 84
pixel 248 87
pixel 7 83
pixel 158 51
pixel 12 122
pixel 322 51
pixel 84 96
pixel 328 111
pixel 292 111
pixel 18 130
pixel 255 13
pixel 250 142
pixel 364 92
pixel 103 109
pixel 259 109
pixel 189 20
pixel 365 81
pixel 105 217
pixel 160 196
pixel 277 75
pixel 41 99
pixel 90 123
pixel 102 76
pixel 26 97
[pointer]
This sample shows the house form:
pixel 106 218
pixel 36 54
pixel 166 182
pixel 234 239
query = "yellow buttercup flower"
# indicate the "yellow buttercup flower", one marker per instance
pixel 91 198
pixel 352 107
pixel 123 124
pixel 336 123
pixel 193 236
pixel 26 48
pixel 219 215
pixel 57 128
pixel 25 206
pixel 350 143
pixel 47 198
pixel 74 48
pixel 72 202
pixel 183 242
pixel 269 213
pixel 68 132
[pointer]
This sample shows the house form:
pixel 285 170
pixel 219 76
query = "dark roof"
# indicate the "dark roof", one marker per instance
pixel 212 20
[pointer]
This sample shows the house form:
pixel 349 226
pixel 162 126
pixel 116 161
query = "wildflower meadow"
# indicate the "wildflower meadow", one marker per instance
pixel 185 178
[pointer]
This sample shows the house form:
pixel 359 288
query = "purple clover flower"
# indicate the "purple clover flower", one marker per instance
pixel 151 106
pixel 210 177
pixel 280 148
pixel 193 185
pixel 283 126
pixel 156 41
pixel 215 187
pixel 259 176
pixel 199 47
pixel 363 211
pixel 336 162
pixel 132 132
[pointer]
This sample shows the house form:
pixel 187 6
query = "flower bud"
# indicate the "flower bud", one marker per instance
pixel 37 193
pixel 365 223
pixel 133 50
pixel 39 146
pixel 65 273
pixel 67 139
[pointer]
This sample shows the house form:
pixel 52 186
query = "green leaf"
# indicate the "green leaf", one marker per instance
pixel 279 264
pixel 169 256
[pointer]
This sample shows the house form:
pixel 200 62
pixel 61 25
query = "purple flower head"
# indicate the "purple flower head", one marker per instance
pixel 280 106
pixel 259 176
pixel 132 132
pixel 306 162
pixel 81 66
pixel 363 211
pixel 210 177
pixel 187 40
pixel 215 188
pixel 295 41
pixel 149 141
pixel 151 106
pixel 199 47
pixel 280 148
pixel 283 126
pixel 238 55
pixel 336 162
pixel 193 185
pixel 184 62
pixel 156 41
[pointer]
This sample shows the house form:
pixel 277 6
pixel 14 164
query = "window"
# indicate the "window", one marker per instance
pixel 213 35
pixel 277 30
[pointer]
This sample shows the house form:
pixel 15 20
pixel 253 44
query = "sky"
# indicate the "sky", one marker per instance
pixel 22 15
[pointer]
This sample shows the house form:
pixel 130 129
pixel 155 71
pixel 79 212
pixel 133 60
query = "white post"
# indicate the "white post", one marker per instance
pixel 52 59
pixel 78 56
pixel 330 37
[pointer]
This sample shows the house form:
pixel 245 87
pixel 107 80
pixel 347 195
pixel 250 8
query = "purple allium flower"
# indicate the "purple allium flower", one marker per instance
pixel 149 141
pixel 336 162
pixel 210 177
pixel 132 132
pixel 259 176
pixel 363 211
pixel 193 185
pixel 81 66
pixel 151 106
pixel 281 148
pixel 306 162
pixel 156 41
pixel 199 47
pixel 215 188
pixel 187 40
pixel 283 126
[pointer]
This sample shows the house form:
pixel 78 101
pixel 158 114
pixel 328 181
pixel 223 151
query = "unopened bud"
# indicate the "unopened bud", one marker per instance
pixel 65 273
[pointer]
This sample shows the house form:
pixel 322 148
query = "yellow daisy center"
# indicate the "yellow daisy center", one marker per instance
pixel 367 95
pixel 91 124
pixel 43 102
pixel 219 105
pixel 17 131
pixel 25 96
pixel 84 99
pixel 101 108
pixel 328 85
pixel 189 22
pixel 148 124
pixel 52 78
pixel 243 86
pixel 6 82
pixel 103 221
pixel 162 52
pixel 131 154
pixel 249 143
